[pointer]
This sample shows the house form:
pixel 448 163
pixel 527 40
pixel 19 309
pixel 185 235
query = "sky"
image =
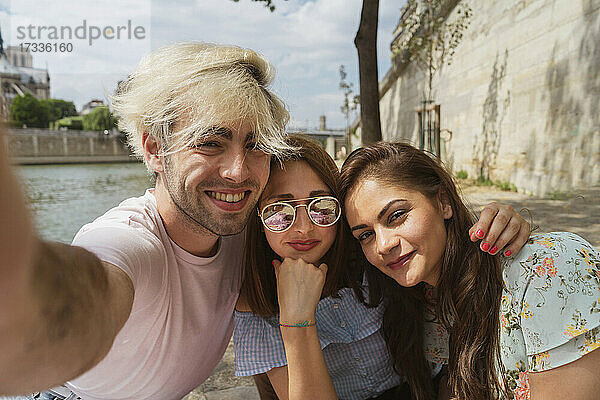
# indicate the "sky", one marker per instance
pixel 306 40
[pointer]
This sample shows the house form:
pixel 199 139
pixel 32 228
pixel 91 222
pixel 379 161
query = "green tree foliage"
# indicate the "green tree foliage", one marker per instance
pixel 58 109
pixel 429 38
pixel 99 119
pixel 28 111
pixel 74 123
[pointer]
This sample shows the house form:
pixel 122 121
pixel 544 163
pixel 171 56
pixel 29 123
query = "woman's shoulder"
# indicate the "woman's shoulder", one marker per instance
pixel 551 292
pixel 558 241
pixel 245 320
pixel 555 261
pixel 257 344
pixel 552 252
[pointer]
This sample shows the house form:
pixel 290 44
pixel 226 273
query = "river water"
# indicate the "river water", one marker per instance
pixel 65 197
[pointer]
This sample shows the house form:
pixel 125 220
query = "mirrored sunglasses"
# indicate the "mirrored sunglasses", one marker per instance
pixel 280 216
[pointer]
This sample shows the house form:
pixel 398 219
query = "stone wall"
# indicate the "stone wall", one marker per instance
pixel 522 95
pixel 43 146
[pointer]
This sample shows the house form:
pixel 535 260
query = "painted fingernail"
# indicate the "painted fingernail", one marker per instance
pixel 507 253
pixel 479 233
pixel 493 250
pixel 485 246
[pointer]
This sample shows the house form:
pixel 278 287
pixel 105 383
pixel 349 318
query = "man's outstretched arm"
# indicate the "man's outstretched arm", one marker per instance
pixel 60 306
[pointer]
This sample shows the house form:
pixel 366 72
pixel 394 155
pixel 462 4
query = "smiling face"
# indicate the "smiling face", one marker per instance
pixel 303 239
pixel 401 231
pixel 216 182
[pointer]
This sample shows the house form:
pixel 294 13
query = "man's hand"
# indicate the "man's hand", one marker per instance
pixel 501 230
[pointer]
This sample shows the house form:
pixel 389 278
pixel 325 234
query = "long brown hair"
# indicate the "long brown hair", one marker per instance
pixel 469 288
pixel 259 288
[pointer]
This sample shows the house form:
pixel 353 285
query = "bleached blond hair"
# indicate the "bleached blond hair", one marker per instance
pixel 196 87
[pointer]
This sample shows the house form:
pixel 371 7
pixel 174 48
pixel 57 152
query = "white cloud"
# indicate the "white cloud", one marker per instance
pixel 307 41
pixel 81 88
pixel 321 99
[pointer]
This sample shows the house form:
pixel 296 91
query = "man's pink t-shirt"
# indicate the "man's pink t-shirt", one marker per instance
pixel 182 316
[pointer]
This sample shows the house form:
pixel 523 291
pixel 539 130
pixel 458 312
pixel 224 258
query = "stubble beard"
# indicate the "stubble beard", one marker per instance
pixel 193 212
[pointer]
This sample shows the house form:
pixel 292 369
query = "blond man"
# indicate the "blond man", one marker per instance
pixel 146 311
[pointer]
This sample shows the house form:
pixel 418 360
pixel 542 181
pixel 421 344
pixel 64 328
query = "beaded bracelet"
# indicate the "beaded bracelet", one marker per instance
pixel 302 324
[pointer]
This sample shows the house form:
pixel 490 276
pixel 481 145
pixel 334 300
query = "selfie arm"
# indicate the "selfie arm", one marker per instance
pixel 60 307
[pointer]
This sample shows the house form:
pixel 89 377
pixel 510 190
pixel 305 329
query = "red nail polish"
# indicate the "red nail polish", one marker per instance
pixel 485 246
pixel 507 253
pixel 479 233
pixel 493 250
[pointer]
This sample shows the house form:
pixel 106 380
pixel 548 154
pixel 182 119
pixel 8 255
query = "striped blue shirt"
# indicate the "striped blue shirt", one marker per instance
pixel 355 353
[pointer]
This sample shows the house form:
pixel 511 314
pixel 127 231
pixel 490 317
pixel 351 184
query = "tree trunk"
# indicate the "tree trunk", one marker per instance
pixel 366 45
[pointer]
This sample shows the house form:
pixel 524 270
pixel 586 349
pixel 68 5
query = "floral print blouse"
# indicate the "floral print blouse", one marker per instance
pixel 550 309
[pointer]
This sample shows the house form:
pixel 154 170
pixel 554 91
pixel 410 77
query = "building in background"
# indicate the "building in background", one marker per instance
pixel 520 99
pixel 90 105
pixel 17 77
pixel 332 140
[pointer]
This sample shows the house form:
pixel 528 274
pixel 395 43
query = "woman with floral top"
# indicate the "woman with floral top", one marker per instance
pixel 526 326
pixel 297 319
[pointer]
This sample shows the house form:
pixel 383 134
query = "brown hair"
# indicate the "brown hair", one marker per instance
pixel 259 289
pixel 469 288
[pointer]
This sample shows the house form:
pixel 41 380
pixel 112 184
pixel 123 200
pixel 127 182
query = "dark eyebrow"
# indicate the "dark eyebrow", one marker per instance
pixel 387 207
pixel 358 227
pixel 278 196
pixel 250 137
pixel 285 196
pixel 316 193
pixel 381 213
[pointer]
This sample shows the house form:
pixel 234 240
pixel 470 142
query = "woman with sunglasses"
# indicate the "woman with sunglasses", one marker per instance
pixel 297 319
pixel 524 326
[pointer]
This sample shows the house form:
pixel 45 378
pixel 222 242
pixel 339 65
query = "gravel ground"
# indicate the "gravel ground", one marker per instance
pixel 577 211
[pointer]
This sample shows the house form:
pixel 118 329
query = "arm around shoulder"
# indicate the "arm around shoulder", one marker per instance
pixel 570 368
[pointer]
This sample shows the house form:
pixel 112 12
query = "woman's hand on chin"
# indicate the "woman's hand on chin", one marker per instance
pixel 299 288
